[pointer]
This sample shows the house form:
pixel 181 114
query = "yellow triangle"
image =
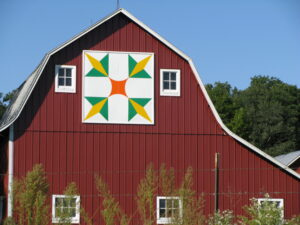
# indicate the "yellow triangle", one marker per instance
pixel 140 110
pixel 96 64
pixel 140 66
pixel 96 109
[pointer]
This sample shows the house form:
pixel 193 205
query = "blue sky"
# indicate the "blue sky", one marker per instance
pixel 230 40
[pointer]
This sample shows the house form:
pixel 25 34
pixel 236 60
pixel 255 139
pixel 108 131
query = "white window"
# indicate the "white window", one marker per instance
pixel 169 82
pixel 168 208
pixel 277 201
pixel 65 206
pixel 65 78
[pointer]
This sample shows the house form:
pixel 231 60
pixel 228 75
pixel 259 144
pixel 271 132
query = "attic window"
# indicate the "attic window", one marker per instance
pixel 169 82
pixel 65 78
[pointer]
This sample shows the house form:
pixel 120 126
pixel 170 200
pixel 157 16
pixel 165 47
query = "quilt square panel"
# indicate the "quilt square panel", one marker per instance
pixel 118 87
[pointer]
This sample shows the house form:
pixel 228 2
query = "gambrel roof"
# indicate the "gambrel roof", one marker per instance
pixel 25 90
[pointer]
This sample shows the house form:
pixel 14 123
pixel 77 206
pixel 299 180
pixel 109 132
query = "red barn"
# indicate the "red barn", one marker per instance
pixel 116 98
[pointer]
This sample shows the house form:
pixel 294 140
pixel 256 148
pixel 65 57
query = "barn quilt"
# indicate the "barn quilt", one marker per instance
pixel 118 87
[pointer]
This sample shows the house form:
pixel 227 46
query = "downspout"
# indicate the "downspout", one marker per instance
pixel 10 171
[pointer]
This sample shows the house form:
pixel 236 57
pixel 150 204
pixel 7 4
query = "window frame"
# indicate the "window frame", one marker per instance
pixel 166 220
pixel 280 200
pixel 65 89
pixel 75 219
pixel 168 92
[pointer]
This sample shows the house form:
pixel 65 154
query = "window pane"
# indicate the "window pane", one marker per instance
pixel 166 76
pixel 68 81
pixel 173 85
pixel 61 81
pixel 58 212
pixel 72 212
pixel 58 202
pixel 169 203
pixel 65 202
pixel 65 211
pixel 162 213
pixel 61 72
pixel 68 72
pixel 162 203
pixel 277 203
pixel 169 213
pixel 73 202
pixel 176 203
pixel 173 76
pixel 166 85
pixel 175 213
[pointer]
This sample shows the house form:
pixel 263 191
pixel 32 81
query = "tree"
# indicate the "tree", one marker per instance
pixel 267 113
pixel 5 100
pixel 271 108
pixel 2 106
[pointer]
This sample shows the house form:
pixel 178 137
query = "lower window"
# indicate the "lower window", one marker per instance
pixel 168 208
pixel 65 209
pixel 278 202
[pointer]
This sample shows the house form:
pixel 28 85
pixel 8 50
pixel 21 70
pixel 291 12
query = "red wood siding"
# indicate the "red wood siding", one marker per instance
pixel 50 131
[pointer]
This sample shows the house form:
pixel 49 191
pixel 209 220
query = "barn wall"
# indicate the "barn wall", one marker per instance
pixel 185 133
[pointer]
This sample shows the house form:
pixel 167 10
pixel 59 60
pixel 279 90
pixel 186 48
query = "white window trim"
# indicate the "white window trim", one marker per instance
pixel 65 89
pixel 170 92
pixel 75 219
pixel 280 200
pixel 166 220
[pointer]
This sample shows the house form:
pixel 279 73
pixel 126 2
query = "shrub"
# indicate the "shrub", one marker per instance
pixel 192 207
pixel 111 212
pixel 30 196
pixel 225 217
pixel 146 195
pixel 267 212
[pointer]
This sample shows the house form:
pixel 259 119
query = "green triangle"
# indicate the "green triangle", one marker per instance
pixel 131 111
pixel 104 110
pixel 94 100
pixel 141 101
pixel 95 73
pixel 131 64
pixel 142 74
pixel 104 62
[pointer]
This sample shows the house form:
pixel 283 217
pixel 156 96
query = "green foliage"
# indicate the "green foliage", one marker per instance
pixel 222 96
pixel 167 181
pixel 266 212
pixel 2 106
pixel 145 196
pixel 30 195
pixel 267 113
pixel 9 221
pixel 293 221
pixel 111 212
pixel 5 101
pixel 225 217
pixel 192 207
